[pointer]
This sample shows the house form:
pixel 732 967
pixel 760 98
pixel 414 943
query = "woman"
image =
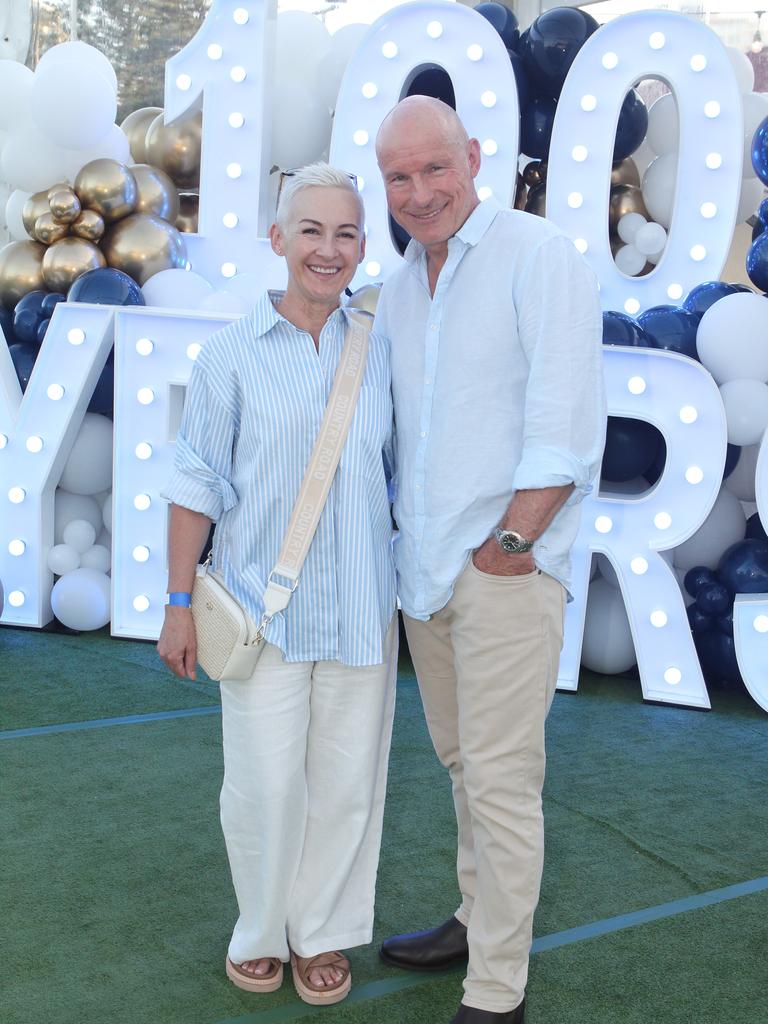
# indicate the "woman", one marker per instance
pixel 306 738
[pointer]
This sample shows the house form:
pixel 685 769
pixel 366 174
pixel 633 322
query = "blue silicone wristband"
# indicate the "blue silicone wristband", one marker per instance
pixel 180 597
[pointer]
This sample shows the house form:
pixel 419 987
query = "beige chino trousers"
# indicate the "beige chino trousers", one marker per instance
pixel 487 664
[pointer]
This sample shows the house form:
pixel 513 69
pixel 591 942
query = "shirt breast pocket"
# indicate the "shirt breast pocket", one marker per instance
pixel 369 432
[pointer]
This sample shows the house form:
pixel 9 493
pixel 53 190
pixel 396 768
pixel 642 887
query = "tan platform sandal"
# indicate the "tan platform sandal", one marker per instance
pixel 269 982
pixel 321 995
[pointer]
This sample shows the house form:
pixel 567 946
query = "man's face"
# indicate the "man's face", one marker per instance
pixel 428 176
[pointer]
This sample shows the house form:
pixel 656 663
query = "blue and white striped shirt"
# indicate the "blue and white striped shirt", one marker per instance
pixel 253 409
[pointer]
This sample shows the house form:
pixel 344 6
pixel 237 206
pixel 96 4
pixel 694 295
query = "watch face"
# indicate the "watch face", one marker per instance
pixel 513 543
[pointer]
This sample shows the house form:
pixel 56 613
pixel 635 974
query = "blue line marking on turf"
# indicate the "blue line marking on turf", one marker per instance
pixel 403 981
pixel 102 723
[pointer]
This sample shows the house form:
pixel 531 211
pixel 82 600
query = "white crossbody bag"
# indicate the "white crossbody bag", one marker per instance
pixel 228 647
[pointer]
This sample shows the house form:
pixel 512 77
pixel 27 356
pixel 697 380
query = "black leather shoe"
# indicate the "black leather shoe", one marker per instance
pixel 471 1015
pixel 432 950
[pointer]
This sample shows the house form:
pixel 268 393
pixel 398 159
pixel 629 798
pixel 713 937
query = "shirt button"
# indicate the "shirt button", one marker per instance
pixel 433 327
pixel 423 433
pixel 427 380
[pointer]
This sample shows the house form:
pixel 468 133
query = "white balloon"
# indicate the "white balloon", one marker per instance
pixel 76 52
pixel 81 599
pixel 301 42
pixel 741 480
pixel 742 66
pixel 15 88
pixel 13 210
pixel 176 289
pixel 629 260
pixel 746 410
pixel 106 512
pixel 752 192
pixel 80 535
pixel 629 225
pixel 30 161
pixel 63 558
pixel 104 539
pixel 607 646
pixel 331 68
pixel 224 302
pixel 659 188
pixel 643 157
pixel 724 525
pixel 651 239
pixel 732 338
pixel 88 469
pixel 301 123
pixel 755 109
pixel 73 104
pixel 605 567
pixel 663 125
pixel 69 506
pixel 245 286
pixel 112 146
pixel 97 557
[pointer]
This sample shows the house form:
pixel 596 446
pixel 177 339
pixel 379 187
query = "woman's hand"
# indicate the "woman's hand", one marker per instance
pixel 177 645
pixel 491 559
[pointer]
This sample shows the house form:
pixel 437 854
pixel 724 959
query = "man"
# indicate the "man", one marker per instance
pixel 495 329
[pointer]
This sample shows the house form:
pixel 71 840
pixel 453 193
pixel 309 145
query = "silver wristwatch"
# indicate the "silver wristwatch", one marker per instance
pixel 512 542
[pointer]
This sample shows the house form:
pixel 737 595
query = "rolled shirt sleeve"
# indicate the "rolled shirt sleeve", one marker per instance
pixel 202 475
pixel 560 329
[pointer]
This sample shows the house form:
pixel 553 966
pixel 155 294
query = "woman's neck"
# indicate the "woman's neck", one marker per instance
pixel 307 316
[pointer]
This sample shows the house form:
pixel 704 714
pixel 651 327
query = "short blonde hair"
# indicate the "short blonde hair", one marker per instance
pixel 311 176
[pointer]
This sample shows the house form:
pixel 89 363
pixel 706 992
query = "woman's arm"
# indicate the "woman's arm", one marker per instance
pixel 177 645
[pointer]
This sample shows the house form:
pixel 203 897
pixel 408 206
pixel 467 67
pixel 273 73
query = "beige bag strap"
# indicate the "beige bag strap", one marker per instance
pixel 321 469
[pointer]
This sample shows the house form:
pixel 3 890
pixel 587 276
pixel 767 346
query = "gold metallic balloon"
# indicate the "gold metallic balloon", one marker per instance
pixel 155 192
pixel 365 298
pixel 65 206
pixel 107 187
pixel 89 225
pixel 536 202
pixel 135 127
pixel 625 172
pixel 189 208
pixel 34 207
pixel 535 173
pixel 624 199
pixel 175 148
pixel 66 260
pixel 142 245
pixel 521 193
pixel 21 270
pixel 48 230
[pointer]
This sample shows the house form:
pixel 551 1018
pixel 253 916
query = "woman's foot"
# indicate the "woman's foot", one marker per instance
pixel 262 975
pixel 322 979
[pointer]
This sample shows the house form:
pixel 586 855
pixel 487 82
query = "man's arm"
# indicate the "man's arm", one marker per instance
pixel 529 513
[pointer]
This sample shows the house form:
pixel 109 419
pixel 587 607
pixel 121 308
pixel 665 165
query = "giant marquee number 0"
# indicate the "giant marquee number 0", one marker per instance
pixel 225 70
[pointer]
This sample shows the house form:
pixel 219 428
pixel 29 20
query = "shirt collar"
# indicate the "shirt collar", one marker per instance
pixel 265 316
pixel 470 233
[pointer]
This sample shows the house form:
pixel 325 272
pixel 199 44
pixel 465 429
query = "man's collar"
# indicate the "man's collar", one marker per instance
pixel 470 233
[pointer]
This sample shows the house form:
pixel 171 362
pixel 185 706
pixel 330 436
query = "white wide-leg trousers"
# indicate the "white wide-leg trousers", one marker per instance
pixel 306 747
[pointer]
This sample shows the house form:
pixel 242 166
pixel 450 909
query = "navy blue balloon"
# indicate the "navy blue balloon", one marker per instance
pixel 757 262
pixel 743 567
pixel 25 325
pixel 23 356
pixel 51 301
pixel 717 656
pixel 620 329
pixel 103 397
pixel 700 298
pixel 42 327
pixel 632 126
pixel 671 328
pixel 713 599
pixel 435 82
pixel 536 121
pixel 630 448
pixel 725 623
pixel 533 199
pixel 697 620
pixel 523 85
pixel 732 454
pixel 32 300
pixel 757 229
pixel 755 529
pixel 549 46
pixel 106 286
pixel 400 236
pixel 737 287
pixel 698 577
pixel 6 323
pixel 760 151
pixel 656 467
pixel 503 20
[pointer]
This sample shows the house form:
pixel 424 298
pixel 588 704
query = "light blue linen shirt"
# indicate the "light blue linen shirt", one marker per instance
pixel 253 409
pixel 498 387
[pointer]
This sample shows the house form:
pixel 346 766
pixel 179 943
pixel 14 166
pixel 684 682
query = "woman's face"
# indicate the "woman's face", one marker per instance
pixel 322 241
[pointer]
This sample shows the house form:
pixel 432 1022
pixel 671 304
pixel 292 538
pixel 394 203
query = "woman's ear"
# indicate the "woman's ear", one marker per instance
pixel 276 240
pixel 362 248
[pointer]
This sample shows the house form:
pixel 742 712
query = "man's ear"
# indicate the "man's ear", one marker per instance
pixel 276 240
pixel 474 157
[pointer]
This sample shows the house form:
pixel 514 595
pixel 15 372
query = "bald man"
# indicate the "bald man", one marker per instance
pixel 495 331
